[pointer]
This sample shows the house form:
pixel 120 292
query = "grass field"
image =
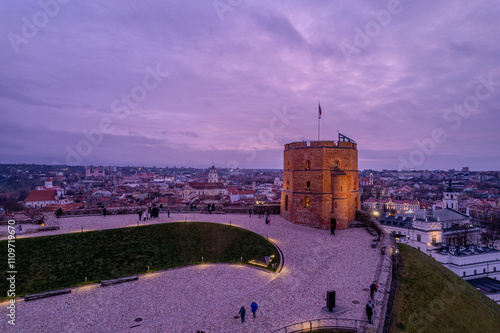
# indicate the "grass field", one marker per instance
pixel 431 298
pixel 55 262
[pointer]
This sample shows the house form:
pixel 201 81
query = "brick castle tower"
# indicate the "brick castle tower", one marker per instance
pixel 320 182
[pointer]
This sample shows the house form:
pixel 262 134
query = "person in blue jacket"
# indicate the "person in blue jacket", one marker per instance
pixel 254 307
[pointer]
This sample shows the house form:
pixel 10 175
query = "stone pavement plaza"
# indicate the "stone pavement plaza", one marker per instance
pixel 209 296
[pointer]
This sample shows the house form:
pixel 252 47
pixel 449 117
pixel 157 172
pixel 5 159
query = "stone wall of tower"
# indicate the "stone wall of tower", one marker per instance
pixel 332 176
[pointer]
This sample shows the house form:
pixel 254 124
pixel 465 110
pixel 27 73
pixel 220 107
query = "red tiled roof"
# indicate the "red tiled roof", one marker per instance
pixel 207 186
pixel 44 195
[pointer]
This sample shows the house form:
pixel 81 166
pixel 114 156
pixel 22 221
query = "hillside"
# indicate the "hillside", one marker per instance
pixel 431 298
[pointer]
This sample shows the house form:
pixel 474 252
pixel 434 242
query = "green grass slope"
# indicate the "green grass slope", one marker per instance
pixel 55 262
pixel 431 298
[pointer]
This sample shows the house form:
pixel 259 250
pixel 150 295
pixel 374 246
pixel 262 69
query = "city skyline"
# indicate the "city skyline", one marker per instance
pixel 415 84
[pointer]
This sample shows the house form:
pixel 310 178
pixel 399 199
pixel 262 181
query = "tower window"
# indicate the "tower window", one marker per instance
pixel 308 165
pixel 286 202
pixel 306 202
pixel 308 186
pixel 287 184
pixel 336 165
pixel 288 165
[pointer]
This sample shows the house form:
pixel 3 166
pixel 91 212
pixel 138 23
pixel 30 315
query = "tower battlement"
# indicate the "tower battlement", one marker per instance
pixel 318 144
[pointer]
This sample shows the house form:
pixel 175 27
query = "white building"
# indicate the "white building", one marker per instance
pixel 469 262
pixel 427 230
pixel 213 176
pixel 450 198
pixel 41 198
pixel 49 186
pixel 204 189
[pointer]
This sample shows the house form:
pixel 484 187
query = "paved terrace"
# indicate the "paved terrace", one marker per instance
pixel 209 296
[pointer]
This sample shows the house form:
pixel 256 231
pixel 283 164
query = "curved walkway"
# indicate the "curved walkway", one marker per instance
pixel 209 296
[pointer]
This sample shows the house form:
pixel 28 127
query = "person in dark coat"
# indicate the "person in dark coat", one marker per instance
pixel 333 226
pixel 373 288
pixel 140 214
pixel 243 312
pixel 369 311
pixel 254 307
pixel 104 212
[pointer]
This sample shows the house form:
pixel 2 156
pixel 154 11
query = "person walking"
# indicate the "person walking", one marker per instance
pixel 250 213
pixel 243 312
pixel 140 214
pixel 254 308
pixel 333 226
pixel 104 212
pixel 373 288
pixel 369 311
pixel 168 213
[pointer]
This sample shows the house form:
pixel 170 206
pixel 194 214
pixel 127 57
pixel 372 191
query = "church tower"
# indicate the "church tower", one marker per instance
pixel 450 198
pixel 320 182
pixel 213 176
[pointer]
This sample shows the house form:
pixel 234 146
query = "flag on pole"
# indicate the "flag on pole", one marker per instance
pixel 319 115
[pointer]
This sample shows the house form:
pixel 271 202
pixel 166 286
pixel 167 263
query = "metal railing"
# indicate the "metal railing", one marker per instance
pixel 392 293
pixel 342 324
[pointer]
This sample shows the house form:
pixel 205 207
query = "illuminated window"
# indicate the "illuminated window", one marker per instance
pixel 306 202
pixel 288 165
pixel 308 186
pixel 286 202
pixel 336 165
pixel 308 165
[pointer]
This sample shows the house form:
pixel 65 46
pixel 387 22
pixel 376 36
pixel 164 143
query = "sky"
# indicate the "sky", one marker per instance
pixel 228 82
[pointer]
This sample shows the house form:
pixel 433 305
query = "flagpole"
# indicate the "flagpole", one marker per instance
pixel 319 118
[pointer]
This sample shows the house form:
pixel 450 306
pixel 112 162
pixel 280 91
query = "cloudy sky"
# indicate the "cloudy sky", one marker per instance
pixel 190 83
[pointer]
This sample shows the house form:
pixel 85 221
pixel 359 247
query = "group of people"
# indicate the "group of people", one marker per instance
pixel 265 214
pixel 369 306
pixel 243 311
pixel 151 212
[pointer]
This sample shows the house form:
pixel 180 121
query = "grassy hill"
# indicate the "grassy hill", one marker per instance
pixel 61 261
pixel 431 298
